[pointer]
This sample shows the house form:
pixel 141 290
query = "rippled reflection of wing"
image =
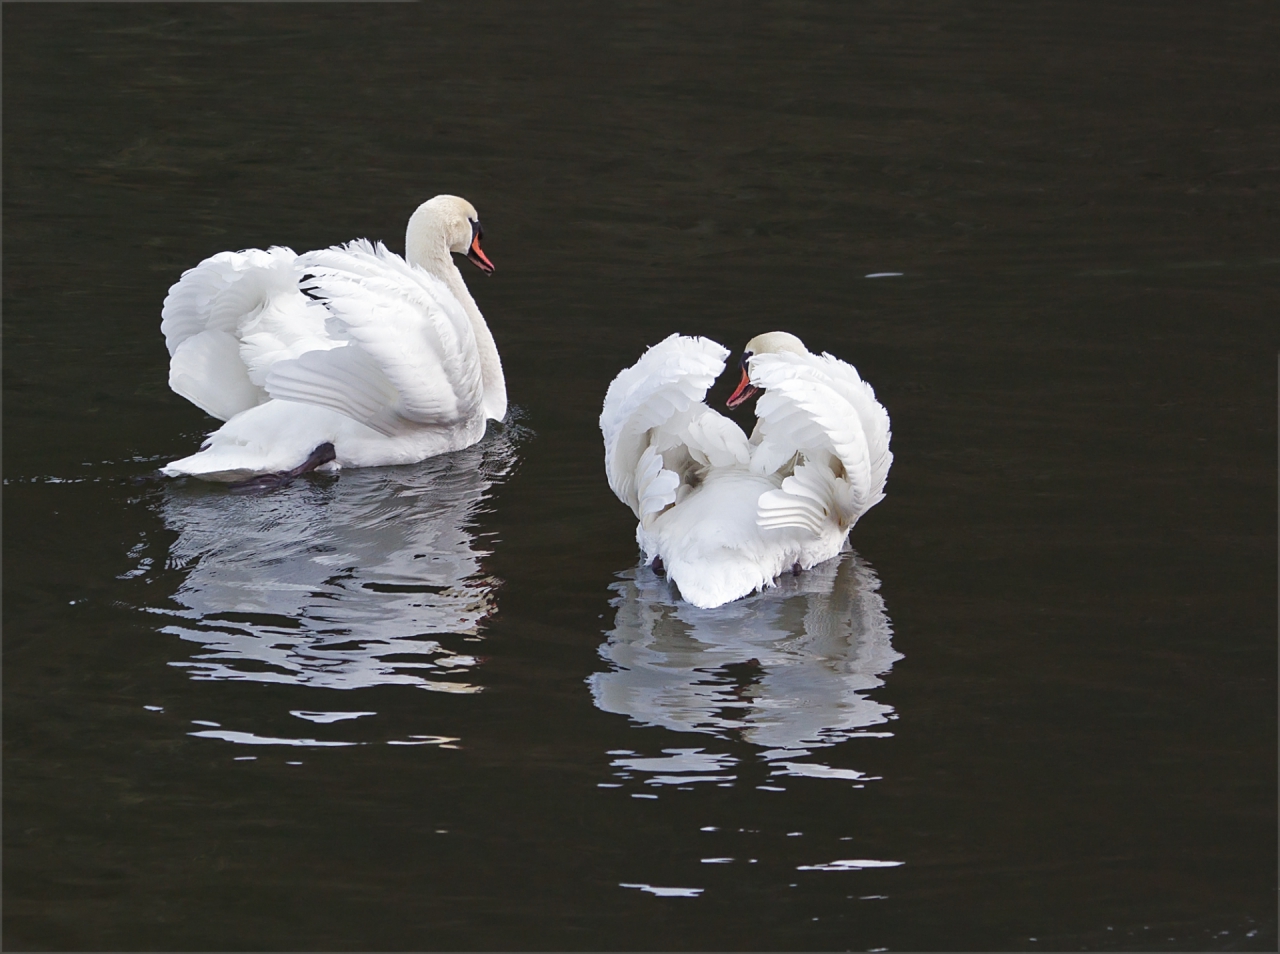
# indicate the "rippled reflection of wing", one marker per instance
pixel 371 579
pixel 786 669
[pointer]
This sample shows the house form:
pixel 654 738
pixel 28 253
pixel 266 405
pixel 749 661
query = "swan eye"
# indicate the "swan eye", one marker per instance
pixel 743 363
pixel 476 230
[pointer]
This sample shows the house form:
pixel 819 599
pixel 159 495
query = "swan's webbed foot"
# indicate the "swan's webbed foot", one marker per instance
pixel 796 569
pixel 658 566
pixel 264 482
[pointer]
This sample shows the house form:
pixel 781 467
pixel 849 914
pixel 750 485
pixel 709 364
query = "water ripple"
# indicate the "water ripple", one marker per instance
pixel 787 670
pixel 375 578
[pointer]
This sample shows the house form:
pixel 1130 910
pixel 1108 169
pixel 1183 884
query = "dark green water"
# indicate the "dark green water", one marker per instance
pixel 1044 685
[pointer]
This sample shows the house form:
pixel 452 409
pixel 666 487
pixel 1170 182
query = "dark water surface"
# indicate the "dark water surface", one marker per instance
pixel 440 707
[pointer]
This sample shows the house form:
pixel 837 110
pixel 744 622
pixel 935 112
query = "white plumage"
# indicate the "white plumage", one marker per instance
pixel 726 514
pixel 388 360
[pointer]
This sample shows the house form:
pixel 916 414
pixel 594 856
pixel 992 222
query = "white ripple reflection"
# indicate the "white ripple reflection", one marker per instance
pixel 788 669
pixel 374 578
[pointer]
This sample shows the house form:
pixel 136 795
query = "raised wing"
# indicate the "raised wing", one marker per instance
pixel 409 352
pixel 658 432
pixel 818 418
pixel 229 319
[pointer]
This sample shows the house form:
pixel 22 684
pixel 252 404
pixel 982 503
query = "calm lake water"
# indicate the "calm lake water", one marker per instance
pixel 441 707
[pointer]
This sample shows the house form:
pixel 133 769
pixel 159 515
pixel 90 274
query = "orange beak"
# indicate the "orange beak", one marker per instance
pixel 744 390
pixel 477 255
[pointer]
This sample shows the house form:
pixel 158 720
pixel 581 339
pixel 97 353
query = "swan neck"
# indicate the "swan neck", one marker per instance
pixel 495 387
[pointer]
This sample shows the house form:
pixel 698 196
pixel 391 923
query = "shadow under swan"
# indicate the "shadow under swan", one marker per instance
pixel 374 578
pixel 787 669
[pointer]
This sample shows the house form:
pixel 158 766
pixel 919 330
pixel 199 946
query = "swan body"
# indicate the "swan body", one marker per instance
pixel 386 358
pixel 727 513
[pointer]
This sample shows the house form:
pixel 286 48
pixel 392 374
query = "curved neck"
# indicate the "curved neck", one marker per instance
pixel 440 264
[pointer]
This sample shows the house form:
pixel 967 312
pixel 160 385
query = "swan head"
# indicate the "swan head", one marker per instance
pixel 772 342
pixel 442 225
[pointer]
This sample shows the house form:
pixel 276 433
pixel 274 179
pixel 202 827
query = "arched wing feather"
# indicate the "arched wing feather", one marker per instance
pixel 817 407
pixel 201 360
pixel 212 297
pixel 411 357
pixel 653 414
pixel 846 381
pixel 209 310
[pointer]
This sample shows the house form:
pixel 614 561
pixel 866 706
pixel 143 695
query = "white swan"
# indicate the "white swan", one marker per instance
pixel 348 356
pixel 726 514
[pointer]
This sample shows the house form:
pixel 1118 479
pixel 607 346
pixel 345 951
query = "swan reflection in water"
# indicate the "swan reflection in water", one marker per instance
pixel 786 670
pixel 374 578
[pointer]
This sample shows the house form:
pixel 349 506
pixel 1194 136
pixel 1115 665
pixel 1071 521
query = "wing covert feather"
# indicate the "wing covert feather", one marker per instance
pixel 819 407
pixel 413 331
pixel 346 380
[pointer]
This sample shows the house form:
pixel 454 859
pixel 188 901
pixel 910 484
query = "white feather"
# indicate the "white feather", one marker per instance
pixel 727 516
pixel 646 404
pixel 397 350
